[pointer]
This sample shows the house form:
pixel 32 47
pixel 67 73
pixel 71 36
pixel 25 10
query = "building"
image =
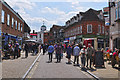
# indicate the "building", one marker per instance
pixel 33 36
pixel 46 37
pixel 86 27
pixel 56 34
pixel 114 24
pixel 27 30
pixel 42 34
pixel 107 24
pixel 12 24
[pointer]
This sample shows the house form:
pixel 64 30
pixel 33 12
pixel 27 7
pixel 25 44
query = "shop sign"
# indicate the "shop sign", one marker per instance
pixel 73 38
pixel 100 40
pixel 80 36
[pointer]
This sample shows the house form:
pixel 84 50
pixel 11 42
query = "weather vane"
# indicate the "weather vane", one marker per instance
pixel 43 22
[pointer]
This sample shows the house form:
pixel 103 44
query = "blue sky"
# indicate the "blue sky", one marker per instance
pixel 52 12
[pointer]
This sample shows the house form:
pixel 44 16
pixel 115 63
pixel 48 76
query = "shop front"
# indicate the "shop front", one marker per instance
pixel 6 38
pixel 79 39
pixel 72 39
pixel 100 42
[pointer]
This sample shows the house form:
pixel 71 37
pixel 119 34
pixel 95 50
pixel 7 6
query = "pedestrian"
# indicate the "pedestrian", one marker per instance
pixel 62 50
pixel 76 53
pixel 39 48
pixel 69 53
pixel 83 53
pixel 89 55
pixel 50 52
pixel 16 49
pixel 26 50
pixel 44 49
pixel 58 52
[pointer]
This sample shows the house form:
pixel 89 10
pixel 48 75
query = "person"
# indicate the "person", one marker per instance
pixel 119 56
pixel 76 53
pixel 62 50
pixel 26 50
pixel 39 48
pixel 89 55
pixel 44 48
pixel 16 49
pixel 58 52
pixel 50 52
pixel 83 56
pixel 69 53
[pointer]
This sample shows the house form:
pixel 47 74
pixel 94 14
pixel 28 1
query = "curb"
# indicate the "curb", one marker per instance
pixel 23 78
pixel 97 78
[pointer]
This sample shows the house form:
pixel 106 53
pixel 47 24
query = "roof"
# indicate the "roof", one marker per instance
pixel 91 15
pixel 43 25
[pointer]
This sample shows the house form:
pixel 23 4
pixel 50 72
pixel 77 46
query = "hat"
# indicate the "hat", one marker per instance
pixel 84 46
pixel 76 44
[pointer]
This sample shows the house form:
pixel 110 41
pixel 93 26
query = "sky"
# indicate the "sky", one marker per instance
pixel 57 12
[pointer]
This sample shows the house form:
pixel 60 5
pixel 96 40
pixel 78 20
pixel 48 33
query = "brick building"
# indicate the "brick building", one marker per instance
pixel 86 27
pixel 54 34
pixel 46 36
pixel 12 24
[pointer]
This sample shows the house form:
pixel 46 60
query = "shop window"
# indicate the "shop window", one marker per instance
pixel 3 16
pixel 89 28
pixel 8 19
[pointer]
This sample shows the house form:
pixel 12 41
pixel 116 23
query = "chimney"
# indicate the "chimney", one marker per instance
pixel 33 31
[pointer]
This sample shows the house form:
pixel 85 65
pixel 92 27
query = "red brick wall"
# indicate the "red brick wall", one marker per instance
pixel 84 27
pixel 9 29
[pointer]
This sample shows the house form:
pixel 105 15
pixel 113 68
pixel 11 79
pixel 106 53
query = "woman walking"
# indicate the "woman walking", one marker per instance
pixel 69 53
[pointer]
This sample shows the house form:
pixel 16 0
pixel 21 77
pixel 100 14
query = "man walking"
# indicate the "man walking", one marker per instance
pixel 76 53
pixel 16 49
pixel 50 52
pixel 83 57
pixel 89 54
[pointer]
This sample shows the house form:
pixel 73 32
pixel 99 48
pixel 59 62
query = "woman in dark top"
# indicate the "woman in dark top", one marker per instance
pixel 69 53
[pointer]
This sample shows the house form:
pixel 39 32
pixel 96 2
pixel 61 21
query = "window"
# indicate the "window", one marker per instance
pixel 16 24
pixel 119 12
pixel 19 26
pixel 89 28
pixel 8 19
pixel 116 13
pixel 12 22
pixel 80 29
pixel 103 29
pixel 99 29
pixel 3 16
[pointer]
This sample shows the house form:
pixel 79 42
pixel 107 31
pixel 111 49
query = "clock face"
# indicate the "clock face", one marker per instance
pixel 43 28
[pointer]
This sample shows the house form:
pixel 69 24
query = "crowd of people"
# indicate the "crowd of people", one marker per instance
pixel 11 50
pixel 77 50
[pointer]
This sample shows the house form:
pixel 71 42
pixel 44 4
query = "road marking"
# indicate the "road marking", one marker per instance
pixel 30 68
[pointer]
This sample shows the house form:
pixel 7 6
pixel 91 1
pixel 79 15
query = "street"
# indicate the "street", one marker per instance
pixel 43 69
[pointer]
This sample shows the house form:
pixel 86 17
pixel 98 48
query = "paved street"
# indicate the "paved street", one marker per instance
pixel 16 68
pixel 56 70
